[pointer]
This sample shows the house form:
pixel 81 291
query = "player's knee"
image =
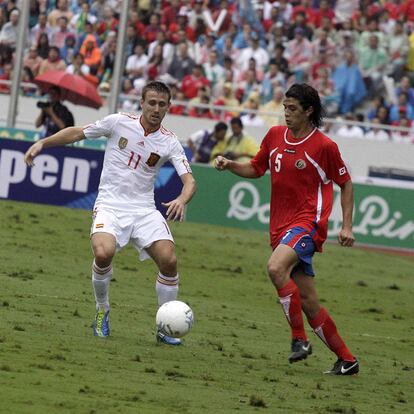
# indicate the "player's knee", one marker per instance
pixel 277 273
pixel 103 255
pixel 168 265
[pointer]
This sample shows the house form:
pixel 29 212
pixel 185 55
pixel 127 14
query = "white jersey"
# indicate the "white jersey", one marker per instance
pixel 132 161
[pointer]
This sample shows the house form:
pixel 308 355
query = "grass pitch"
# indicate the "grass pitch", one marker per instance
pixel 234 360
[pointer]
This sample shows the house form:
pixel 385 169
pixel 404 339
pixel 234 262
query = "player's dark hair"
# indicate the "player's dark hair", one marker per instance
pixel 156 86
pixel 307 97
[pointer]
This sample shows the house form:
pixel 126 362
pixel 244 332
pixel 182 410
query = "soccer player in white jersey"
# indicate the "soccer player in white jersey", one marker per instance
pixel 125 210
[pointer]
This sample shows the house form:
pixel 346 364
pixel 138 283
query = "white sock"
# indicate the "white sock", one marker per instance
pixel 100 282
pixel 166 288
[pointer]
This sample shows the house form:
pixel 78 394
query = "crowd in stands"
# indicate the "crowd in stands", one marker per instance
pixel 359 54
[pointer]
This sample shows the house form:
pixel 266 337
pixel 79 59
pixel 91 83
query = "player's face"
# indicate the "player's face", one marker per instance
pixel 154 107
pixel 295 115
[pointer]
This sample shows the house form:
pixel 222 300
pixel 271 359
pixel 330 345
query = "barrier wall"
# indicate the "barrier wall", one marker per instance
pixel 384 214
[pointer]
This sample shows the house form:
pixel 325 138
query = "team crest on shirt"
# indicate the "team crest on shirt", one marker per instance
pixel 300 164
pixel 153 159
pixel 122 143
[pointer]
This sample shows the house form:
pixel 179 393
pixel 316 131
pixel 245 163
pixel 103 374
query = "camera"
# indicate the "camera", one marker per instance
pixel 43 105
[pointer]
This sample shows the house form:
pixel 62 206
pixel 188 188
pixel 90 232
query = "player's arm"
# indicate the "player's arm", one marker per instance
pixel 346 236
pixel 242 169
pixel 65 136
pixel 176 208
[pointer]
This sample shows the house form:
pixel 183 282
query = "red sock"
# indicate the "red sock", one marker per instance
pixel 290 299
pixel 325 328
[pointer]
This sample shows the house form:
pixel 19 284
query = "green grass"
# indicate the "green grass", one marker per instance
pixel 234 360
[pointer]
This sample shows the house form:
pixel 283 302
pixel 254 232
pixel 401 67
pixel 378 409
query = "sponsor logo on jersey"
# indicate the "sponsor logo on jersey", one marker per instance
pixel 290 151
pixel 153 159
pixel 300 164
pixel 122 143
pixel 342 171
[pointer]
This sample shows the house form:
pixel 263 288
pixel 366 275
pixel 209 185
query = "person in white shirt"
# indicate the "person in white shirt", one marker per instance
pixel 137 63
pixel 125 210
pixel 349 130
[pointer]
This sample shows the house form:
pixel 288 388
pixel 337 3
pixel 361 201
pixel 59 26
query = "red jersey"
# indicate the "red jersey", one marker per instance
pixel 302 175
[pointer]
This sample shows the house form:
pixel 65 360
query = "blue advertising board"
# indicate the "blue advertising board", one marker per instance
pixel 65 176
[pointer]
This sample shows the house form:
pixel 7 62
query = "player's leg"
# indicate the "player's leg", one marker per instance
pixel 323 325
pixel 280 265
pixel 153 239
pixel 166 285
pixel 103 247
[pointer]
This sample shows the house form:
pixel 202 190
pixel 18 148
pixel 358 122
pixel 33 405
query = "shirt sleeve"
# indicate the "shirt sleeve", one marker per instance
pixel 102 128
pixel 260 161
pixel 335 167
pixel 179 159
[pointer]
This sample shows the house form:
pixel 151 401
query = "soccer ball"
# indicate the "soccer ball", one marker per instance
pixel 174 318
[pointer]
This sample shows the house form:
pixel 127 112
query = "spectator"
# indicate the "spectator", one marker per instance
pixel 177 109
pixel 298 54
pixel 6 76
pixel 193 82
pixel 89 31
pixel 201 111
pixel 196 14
pixel 53 115
pixel 9 31
pixel 325 11
pixel 349 84
pixel 373 60
pixel 60 33
pixel 68 51
pixel 78 67
pixel 167 47
pixel 182 64
pixel 156 64
pixel 299 23
pixel 62 10
pixel 405 86
pixel 90 51
pixel 170 13
pixel 275 107
pixel 150 32
pixel 78 21
pixel 41 27
pixel 401 107
pixel 348 130
pixel 383 115
pixel 202 142
pixel 326 88
pixel 214 72
pixel 53 62
pixel 137 63
pixel 272 79
pixel 376 103
pixel 32 60
pixel 253 51
pixel 403 136
pixel 376 133
pixel 43 46
pixel 238 146
pixel 252 118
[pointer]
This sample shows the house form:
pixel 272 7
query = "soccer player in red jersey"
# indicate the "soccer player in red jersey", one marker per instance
pixel 303 165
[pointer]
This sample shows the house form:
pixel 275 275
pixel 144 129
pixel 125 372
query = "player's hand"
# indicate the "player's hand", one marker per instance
pixel 220 163
pixel 32 152
pixel 175 210
pixel 346 238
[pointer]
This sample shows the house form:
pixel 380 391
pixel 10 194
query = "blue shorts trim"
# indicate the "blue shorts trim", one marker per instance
pixel 300 240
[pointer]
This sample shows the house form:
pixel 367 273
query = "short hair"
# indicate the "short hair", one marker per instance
pixel 307 97
pixel 220 126
pixel 236 121
pixel 156 86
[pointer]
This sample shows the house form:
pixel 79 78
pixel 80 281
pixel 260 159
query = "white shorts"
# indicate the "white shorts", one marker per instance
pixel 141 228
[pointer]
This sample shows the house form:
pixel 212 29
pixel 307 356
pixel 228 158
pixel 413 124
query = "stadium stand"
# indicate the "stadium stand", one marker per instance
pixel 354 52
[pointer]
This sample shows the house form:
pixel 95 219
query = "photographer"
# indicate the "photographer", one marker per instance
pixel 54 116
